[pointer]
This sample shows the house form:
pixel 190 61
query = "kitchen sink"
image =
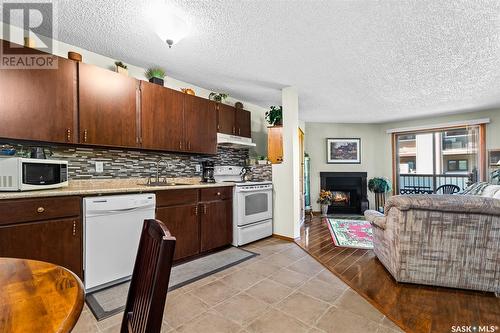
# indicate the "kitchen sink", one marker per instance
pixel 152 184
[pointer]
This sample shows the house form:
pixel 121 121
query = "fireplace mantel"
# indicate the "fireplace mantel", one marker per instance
pixel 352 182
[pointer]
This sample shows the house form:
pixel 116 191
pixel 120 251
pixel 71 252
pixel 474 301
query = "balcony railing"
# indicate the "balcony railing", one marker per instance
pixel 428 183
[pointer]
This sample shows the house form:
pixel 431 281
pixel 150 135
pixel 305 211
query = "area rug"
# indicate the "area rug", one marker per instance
pixel 106 302
pixel 351 233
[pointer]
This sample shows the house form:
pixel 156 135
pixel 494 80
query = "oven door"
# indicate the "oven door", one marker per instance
pixel 253 205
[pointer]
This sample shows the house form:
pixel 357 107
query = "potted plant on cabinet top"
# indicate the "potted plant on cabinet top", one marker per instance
pixel 325 200
pixel 121 67
pixel 275 115
pixel 155 75
pixel 380 186
pixel 218 97
pixel 262 160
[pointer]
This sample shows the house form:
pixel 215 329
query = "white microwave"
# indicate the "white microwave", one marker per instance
pixel 28 174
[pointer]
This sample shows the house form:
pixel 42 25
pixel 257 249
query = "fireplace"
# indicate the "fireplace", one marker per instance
pixel 341 198
pixel 349 191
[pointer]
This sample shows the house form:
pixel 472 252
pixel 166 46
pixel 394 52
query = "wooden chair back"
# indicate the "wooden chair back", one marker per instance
pixel 448 189
pixel 149 285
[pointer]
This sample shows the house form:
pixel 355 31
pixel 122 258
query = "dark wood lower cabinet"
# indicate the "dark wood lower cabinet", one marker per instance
pixel 182 222
pixel 216 224
pixel 55 241
pixel 51 229
pixel 200 219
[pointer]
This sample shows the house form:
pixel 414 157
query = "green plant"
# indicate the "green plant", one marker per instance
pixel 379 185
pixel 120 64
pixel 156 72
pixel 275 115
pixel 261 158
pixel 218 97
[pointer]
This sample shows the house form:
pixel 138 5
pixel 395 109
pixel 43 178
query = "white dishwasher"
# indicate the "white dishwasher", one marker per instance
pixel 112 229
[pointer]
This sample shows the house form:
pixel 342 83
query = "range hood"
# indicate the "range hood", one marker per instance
pixel 234 141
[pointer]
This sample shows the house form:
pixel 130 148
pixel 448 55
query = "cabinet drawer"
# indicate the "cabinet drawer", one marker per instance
pixel 24 210
pixel 176 197
pixel 216 193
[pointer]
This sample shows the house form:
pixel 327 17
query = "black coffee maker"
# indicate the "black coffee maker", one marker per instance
pixel 207 175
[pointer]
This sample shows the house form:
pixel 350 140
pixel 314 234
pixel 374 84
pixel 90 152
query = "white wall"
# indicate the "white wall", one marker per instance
pixel 259 129
pixel 315 146
pixel 286 187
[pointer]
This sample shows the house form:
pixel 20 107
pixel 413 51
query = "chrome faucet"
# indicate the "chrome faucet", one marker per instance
pixel 157 167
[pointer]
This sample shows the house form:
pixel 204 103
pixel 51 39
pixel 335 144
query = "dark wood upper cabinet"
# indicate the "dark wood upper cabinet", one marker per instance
pixel 216 224
pixel 243 123
pixel 86 104
pixel 108 109
pixel 233 121
pixel 39 104
pixel 200 125
pixel 226 117
pixel 162 117
pixel 182 222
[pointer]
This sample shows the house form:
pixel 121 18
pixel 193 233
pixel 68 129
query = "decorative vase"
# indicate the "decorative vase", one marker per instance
pixel 156 80
pixel 188 91
pixel 121 70
pixel 75 56
pixel 324 210
pixel 29 42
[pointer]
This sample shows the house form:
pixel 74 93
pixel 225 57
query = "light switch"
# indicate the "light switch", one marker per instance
pixel 99 167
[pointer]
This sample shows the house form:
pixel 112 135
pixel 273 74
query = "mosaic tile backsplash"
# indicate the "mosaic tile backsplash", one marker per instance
pixel 126 163
pixel 262 172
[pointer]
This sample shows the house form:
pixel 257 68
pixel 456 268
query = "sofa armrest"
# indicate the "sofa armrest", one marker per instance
pixel 376 219
pixel 445 203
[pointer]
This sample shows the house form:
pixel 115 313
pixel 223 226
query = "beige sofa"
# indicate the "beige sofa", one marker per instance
pixel 442 240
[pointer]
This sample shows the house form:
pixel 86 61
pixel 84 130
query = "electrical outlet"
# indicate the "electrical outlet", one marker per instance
pixel 198 168
pixel 99 167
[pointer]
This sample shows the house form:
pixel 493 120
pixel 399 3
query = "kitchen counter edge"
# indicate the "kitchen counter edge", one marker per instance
pixel 68 191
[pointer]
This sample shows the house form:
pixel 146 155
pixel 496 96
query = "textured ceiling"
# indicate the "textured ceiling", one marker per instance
pixel 352 61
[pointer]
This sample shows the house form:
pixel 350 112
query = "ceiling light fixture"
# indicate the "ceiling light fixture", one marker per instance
pixel 170 27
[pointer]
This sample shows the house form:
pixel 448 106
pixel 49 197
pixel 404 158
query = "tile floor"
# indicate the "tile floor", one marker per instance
pixel 282 290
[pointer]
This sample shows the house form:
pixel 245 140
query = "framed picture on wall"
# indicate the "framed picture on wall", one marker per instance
pixel 343 150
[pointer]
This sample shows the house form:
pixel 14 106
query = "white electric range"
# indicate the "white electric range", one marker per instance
pixel 252 205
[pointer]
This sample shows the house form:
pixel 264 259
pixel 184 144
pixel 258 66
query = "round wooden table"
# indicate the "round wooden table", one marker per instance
pixel 36 296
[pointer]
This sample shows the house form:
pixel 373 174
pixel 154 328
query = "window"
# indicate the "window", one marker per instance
pixel 425 160
pixel 458 165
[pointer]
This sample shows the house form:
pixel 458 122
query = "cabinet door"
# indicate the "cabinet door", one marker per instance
pixel 243 123
pixel 162 120
pixel 216 224
pixel 275 144
pixel 55 241
pixel 226 119
pixel 107 107
pixel 200 121
pixel 182 222
pixel 39 104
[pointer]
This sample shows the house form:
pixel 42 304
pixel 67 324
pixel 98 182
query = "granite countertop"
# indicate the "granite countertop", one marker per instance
pixel 110 186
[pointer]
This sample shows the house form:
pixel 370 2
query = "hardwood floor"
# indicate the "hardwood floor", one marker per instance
pixel 415 308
